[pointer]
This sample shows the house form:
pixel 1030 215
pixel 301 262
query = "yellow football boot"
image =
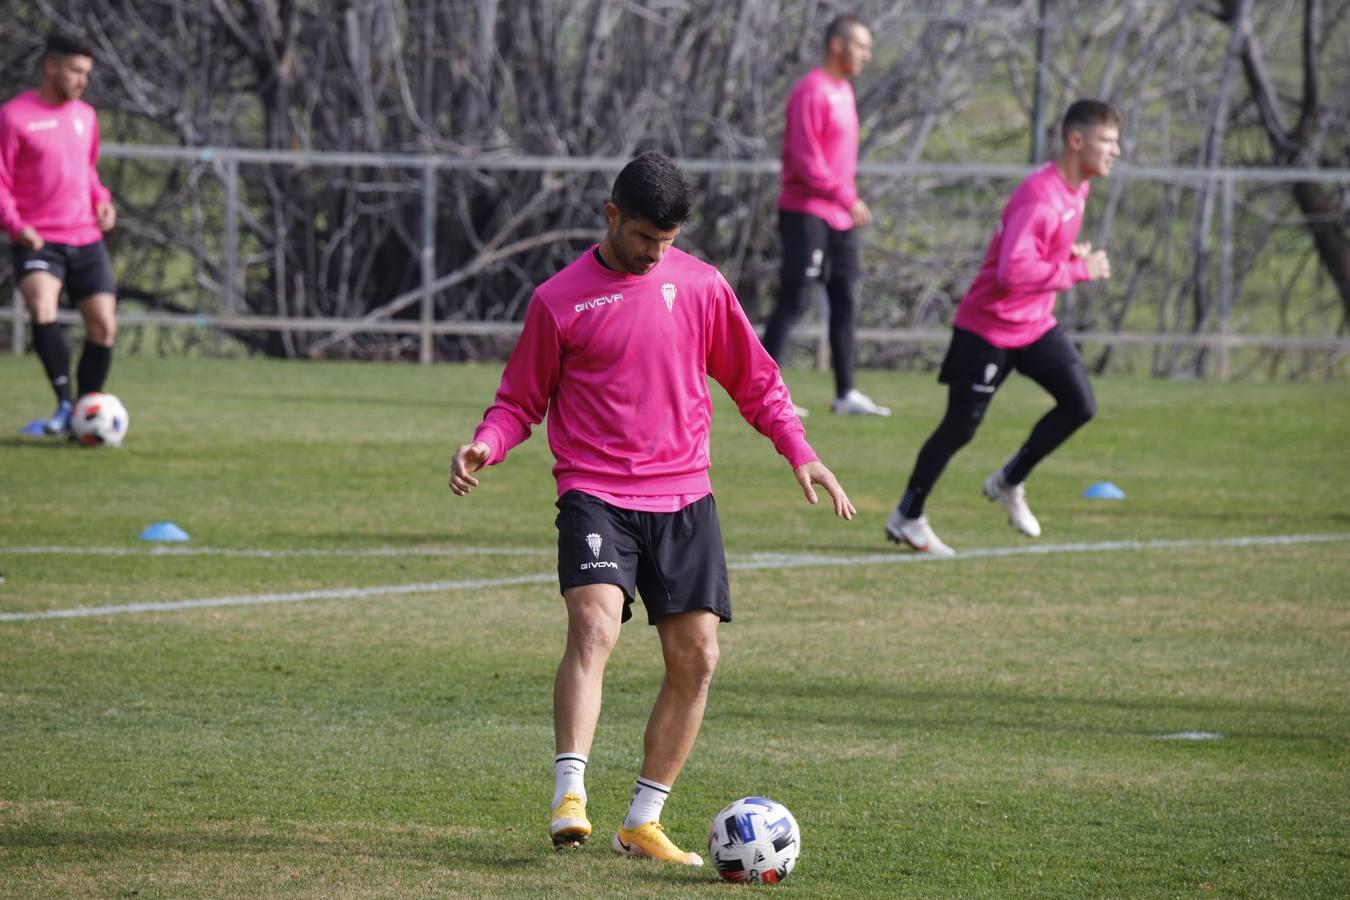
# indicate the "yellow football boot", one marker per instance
pixel 569 827
pixel 649 841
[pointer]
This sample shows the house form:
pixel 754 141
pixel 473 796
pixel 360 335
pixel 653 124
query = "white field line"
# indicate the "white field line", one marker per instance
pixel 296 597
pixel 161 550
pixel 753 562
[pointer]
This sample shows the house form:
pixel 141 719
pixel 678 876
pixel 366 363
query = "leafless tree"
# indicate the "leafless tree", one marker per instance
pixel 950 81
pixel 1317 138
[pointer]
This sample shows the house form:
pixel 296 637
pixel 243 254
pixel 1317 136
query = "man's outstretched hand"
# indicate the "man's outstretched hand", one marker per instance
pixel 468 459
pixel 816 473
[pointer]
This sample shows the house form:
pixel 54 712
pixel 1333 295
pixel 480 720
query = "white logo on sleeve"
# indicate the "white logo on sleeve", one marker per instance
pixel 668 292
pixel 1068 214
pixel 79 126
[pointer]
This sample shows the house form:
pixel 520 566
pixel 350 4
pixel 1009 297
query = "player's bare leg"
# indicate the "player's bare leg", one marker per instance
pixel 594 614
pixel 689 645
pixel 100 319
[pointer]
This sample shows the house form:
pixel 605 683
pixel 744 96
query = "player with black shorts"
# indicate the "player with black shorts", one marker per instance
pixel 616 350
pixel 1006 323
pixel 675 561
pixel 819 210
pixel 55 210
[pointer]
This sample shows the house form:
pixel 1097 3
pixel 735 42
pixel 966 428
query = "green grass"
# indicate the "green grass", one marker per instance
pixel 986 727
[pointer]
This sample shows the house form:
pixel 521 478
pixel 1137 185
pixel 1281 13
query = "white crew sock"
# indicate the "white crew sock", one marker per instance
pixel 569 776
pixel 648 798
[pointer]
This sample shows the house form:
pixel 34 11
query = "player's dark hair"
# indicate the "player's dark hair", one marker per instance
pixel 652 187
pixel 841 27
pixel 60 44
pixel 1085 114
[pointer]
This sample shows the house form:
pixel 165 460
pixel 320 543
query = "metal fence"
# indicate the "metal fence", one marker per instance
pixel 225 163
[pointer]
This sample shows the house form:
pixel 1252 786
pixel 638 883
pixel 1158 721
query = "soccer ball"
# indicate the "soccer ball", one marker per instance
pixel 99 420
pixel 754 840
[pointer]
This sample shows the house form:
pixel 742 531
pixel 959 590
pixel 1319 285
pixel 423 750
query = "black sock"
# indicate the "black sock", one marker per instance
pixel 50 345
pixel 911 504
pixel 94 364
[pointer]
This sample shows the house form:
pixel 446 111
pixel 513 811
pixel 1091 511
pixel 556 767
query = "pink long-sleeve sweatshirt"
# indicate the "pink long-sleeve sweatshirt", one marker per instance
pixel 1011 303
pixel 620 362
pixel 47 175
pixel 820 149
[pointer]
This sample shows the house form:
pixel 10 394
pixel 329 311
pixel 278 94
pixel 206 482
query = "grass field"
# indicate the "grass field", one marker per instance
pixel 999 725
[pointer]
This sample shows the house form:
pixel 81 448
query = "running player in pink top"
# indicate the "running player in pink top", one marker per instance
pixel 616 350
pixel 1006 322
pixel 819 210
pixel 55 210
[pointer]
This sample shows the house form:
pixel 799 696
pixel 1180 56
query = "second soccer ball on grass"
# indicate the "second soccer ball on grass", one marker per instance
pixel 99 420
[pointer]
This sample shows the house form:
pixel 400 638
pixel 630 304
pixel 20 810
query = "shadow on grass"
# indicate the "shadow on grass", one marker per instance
pixel 19 442
pixel 483 852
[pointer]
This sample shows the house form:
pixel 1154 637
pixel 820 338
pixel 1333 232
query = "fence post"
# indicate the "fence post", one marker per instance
pixel 231 236
pixel 428 255
pixel 1225 273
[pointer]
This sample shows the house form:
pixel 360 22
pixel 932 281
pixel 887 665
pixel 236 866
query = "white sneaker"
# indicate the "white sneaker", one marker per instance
pixel 916 533
pixel 856 403
pixel 800 412
pixel 1014 500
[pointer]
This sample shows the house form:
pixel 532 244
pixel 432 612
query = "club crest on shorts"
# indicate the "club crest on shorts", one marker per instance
pixel 668 292
pixel 989 372
pixel 594 541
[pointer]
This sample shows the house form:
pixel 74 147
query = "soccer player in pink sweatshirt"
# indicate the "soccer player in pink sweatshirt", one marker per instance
pixel 819 210
pixel 1006 323
pixel 616 350
pixel 56 210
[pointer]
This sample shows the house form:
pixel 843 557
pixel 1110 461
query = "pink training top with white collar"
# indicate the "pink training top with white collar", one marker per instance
pixel 47 175
pixel 619 363
pixel 1011 303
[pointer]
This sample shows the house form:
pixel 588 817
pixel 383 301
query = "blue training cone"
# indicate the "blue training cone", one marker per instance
pixel 164 531
pixel 1104 490
pixel 35 428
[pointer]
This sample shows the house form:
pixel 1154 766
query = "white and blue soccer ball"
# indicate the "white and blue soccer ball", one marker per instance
pixel 99 420
pixel 754 840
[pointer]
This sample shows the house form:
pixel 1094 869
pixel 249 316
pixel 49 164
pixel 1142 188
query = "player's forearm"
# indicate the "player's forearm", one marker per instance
pixel 814 174
pixel 1036 275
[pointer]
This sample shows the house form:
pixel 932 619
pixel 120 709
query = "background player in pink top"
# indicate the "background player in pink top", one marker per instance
pixel 55 210
pixel 616 350
pixel 819 210
pixel 1006 322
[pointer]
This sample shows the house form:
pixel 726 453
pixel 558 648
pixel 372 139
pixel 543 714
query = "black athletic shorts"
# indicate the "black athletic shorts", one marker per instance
pixel 972 361
pixel 810 244
pixel 676 561
pixel 84 271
